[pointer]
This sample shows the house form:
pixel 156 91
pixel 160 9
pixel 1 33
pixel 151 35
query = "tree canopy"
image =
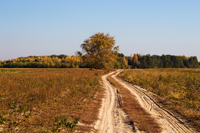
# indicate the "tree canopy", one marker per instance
pixel 100 51
pixel 164 61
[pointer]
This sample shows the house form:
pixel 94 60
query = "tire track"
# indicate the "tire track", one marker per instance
pixel 168 122
pixel 111 116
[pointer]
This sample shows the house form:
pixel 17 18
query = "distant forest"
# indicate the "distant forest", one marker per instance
pixel 164 61
pixel 55 61
pixel 136 61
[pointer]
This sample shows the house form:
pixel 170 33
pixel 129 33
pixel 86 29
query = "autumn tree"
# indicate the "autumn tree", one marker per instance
pixel 99 51
pixel 135 61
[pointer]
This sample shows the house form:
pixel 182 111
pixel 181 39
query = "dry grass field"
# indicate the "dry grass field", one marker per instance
pixel 179 89
pixel 48 100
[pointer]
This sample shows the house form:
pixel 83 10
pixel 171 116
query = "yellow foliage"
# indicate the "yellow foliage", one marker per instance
pixel 100 51
pixel 125 62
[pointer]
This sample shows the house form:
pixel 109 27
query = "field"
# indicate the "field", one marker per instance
pixel 48 100
pixel 179 89
pixel 53 100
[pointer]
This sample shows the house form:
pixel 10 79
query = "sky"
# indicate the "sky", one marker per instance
pixel 46 27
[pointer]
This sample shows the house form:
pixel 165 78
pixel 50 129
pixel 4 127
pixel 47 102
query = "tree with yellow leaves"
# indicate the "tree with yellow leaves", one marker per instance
pixel 100 51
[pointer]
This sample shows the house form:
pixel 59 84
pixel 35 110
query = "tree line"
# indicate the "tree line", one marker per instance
pixel 164 61
pixel 99 52
pixel 121 62
pixel 56 61
pixel 52 61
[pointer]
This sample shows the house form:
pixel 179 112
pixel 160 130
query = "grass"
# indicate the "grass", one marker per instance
pixel 48 100
pixel 179 89
pixel 137 115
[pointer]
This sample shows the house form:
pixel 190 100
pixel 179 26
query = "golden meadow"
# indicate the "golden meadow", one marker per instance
pixel 179 89
pixel 42 100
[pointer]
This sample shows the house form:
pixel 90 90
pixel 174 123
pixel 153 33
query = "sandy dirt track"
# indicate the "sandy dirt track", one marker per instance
pixel 112 119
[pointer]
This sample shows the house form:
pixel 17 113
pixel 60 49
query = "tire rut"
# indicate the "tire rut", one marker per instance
pixel 167 120
pixel 112 119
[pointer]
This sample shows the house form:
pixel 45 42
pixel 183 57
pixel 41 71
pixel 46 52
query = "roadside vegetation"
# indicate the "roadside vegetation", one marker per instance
pixel 48 100
pixel 179 89
pixel 137 115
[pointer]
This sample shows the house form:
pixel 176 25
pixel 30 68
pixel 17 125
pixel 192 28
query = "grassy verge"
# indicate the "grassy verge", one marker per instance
pixel 179 89
pixel 136 113
pixel 48 100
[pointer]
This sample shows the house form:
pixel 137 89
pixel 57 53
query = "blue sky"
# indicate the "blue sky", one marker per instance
pixel 46 27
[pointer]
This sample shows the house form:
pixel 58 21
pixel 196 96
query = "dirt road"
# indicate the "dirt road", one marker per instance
pixel 112 119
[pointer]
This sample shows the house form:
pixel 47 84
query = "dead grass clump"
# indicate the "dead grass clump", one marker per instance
pixel 91 113
pixel 140 118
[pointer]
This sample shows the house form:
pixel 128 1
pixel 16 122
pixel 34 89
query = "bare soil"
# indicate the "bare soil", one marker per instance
pixel 112 119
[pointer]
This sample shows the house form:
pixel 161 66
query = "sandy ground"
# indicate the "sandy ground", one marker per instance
pixel 112 119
